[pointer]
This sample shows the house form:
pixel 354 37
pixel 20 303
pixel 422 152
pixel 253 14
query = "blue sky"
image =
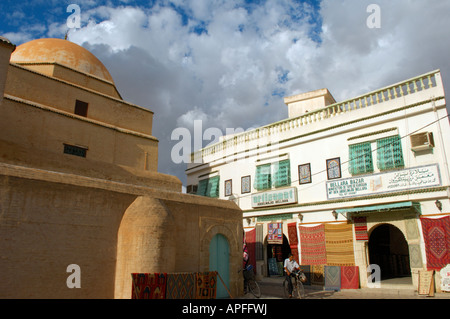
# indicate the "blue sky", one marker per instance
pixel 229 63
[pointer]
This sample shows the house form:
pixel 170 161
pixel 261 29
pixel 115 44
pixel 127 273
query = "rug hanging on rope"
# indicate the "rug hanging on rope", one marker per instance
pixel 312 245
pixel 436 233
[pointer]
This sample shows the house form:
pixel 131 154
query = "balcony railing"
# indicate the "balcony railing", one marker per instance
pixel 389 93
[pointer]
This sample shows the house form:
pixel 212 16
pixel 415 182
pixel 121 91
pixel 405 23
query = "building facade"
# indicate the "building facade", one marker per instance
pixel 348 183
pixel 79 186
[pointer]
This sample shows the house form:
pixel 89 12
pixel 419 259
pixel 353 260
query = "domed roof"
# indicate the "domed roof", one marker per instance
pixel 63 52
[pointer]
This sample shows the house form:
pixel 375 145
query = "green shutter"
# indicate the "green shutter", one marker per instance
pixel 262 177
pixel 389 153
pixel 213 187
pixel 360 156
pixel 209 187
pixel 202 186
pixel 282 173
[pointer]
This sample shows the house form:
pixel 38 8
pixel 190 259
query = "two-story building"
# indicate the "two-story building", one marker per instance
pixel 351 183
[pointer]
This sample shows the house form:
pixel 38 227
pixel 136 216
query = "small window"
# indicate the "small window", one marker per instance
pixel 75 150
pixel 360 156
pixel 209 187
pixel 389 153
pixel 81 108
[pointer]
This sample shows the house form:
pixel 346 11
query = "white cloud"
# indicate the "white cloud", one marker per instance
pixel 236 69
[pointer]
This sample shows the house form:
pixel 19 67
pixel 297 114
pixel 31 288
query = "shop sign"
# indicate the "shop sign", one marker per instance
pixel 394 181
pixel 445 278
pixel 274 198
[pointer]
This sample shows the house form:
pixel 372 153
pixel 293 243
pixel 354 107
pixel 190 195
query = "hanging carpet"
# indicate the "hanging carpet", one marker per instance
pixel 312 245
pixel 436 233
pixel 293 240
pixel 339 244
pixel 361 228
pixel 181 286
pixel 349 277
pixel 332 276
pixel 148 286
pixel 206 285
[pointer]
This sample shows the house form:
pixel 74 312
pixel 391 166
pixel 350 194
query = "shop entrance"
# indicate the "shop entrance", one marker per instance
pixel 388 249
pixel 276 254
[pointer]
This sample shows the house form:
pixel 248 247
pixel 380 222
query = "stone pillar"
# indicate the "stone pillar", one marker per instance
pixel 144 243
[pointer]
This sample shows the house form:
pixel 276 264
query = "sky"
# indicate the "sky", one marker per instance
pixel 230 63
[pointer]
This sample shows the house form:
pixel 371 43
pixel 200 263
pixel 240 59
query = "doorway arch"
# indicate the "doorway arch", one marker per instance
pixel 389 249
pixel 276 254
pixel 219 260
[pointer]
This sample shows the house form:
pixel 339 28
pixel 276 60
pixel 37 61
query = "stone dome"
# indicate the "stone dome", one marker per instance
pixel 63 52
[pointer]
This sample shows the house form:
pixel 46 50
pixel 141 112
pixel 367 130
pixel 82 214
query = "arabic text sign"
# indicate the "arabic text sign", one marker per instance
pixel 418 177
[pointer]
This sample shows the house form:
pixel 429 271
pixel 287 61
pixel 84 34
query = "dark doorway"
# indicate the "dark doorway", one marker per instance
pixel 276 254
pixel 388 249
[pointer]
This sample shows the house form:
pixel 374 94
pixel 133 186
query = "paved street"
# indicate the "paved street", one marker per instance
pixel 271 288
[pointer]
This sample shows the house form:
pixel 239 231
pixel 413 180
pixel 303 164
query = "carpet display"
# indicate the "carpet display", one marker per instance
pixel 436 233
pixel 181 286
pixel 312 245
pixel 250 238
pixel 332 276
pixel 349 277
pixel 361 228
pixel 148 286
pixel 293 240
pixel 317 275
pixel 339 244
pixel 206 285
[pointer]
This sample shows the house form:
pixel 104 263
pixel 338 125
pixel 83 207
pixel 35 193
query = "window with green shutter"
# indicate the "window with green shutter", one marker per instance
pixel 263 178
pixel 389 153
pixel 213 187
pixel 360 158
pixel 209 187
pixel 282 173
pixel 202 187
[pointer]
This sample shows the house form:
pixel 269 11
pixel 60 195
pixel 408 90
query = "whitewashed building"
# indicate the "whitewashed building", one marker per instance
pixel 376 164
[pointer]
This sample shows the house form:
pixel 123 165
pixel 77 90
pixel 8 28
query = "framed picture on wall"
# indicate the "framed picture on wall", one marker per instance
pixel 334 168
pixel 304 174
pixel 245 184
pixel 228 188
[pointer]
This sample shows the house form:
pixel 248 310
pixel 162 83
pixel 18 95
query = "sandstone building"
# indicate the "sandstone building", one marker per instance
pixel 79 185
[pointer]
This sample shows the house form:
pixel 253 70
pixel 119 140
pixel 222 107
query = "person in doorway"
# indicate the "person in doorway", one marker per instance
pixel 290 266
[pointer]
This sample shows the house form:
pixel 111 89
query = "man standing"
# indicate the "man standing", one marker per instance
pixel 290 265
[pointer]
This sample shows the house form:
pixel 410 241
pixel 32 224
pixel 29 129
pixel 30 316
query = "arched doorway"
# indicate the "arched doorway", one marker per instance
pixel 388 249
pixel 276 254
pixel 219 260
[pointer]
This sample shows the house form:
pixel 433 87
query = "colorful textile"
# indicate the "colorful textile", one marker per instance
pixel 415 256
pixel 349 277
pixel 149 286
pixel 317 275
pixel 250 238
pixel 339 244
pixel 180 286
pixel 293 240
pixel 436 233
pixel 275 233
pixel 312 245
pixel 332 276
pixel 206 285
pixel 361 228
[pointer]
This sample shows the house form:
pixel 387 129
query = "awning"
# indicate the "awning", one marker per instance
pixel 381 208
